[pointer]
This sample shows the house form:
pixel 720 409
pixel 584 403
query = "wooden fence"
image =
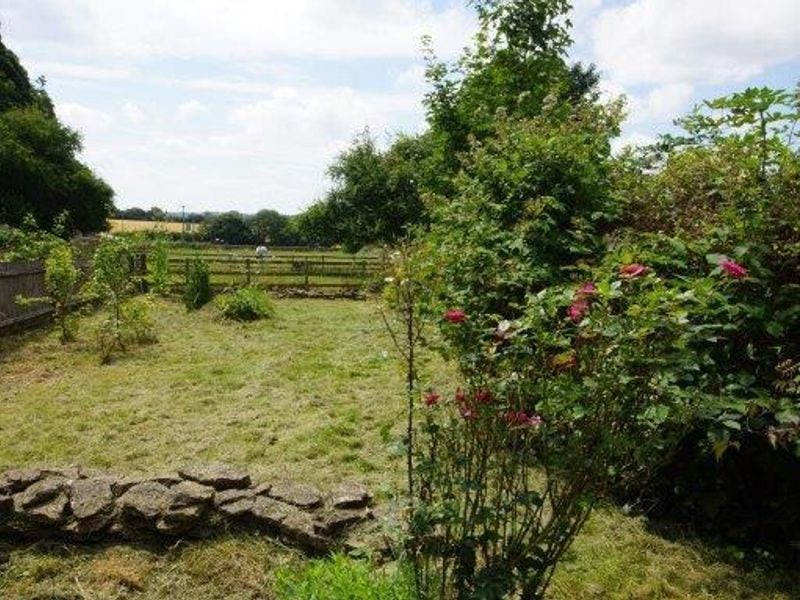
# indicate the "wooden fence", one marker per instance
pixel 282 270
pixel 21 279
pixel 26 279
pixel 308 270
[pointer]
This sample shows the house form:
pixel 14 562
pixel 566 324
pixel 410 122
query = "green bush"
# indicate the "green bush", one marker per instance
pixel 112 283
pixel 137 320
pixel 61 284
pixel 159 265
pixel 341 578
pixel 717 209
pixel 628 309
pixel 245 304
pixel 197 291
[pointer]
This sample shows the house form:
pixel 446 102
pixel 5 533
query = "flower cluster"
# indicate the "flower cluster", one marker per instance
pixel 580 302
pixel 633 271
pixel 455 315
pixel 519 418
pixel 431 398
pixel 733 268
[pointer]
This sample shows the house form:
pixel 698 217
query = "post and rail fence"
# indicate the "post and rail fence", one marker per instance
pixel 280 270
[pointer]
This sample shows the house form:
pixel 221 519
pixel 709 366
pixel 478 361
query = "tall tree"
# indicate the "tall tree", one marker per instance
pixel 230 228
pixel 517 62
pixel 40 174
pixel 375 194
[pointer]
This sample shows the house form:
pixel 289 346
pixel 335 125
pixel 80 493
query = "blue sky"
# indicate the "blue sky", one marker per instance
pixel 241 104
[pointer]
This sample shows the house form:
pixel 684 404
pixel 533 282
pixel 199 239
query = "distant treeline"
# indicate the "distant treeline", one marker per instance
pixel 157 214
pixel 265 227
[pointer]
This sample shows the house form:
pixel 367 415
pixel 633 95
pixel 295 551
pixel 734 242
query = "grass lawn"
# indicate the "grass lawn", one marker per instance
pixel 314 395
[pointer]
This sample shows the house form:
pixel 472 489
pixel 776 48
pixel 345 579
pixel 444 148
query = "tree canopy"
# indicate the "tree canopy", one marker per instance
pixel 40 174
pixel 516 66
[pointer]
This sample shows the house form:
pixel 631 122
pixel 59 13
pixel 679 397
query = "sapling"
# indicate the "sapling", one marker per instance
pixel 60 283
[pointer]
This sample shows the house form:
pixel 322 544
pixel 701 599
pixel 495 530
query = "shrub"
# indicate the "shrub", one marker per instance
pixel 26 244
pixel 61 283
pixel 718 207
pixel 245 304
pixel 111 283
pixel 197 290
pixel 341 578
pixel 601 316
pixel 582 391
pixel 137 320
pixel 159 264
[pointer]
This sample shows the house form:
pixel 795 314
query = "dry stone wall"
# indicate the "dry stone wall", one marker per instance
pixel 82 504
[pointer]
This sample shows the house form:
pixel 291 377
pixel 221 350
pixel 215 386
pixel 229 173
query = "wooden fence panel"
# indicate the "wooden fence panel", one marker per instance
pixel 21 279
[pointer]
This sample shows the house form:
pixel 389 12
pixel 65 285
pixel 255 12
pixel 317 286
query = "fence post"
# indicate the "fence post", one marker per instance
pixel 306 272
pixel 247 267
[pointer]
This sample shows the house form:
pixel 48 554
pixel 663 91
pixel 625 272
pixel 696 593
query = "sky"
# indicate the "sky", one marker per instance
pixel 217 105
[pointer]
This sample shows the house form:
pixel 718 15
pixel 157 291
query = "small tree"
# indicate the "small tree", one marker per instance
pixel 60 282
pixel 197 291
pixel 111 283
pixel 160 265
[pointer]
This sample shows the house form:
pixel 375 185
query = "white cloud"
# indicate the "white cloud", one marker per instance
pixel 81 71
pixel 83 118
pixel 660 103
pixel 133 113
pixel 412 77
pixel 249 29
pixel 191 109
pixel 268 152
pixel 633 139
pixel 710 41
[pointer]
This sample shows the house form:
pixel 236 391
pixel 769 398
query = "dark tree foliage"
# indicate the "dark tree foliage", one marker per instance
pixel 40 175
pixel 315 226
pixel 16 90
pixel 271 227
pixel 230 228
pixel 375 194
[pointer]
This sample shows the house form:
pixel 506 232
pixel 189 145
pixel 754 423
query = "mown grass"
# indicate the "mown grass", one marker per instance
pixel 314 394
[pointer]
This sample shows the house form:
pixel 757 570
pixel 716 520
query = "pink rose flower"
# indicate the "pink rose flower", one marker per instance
pixel 483 397
pixel 455 315
pixel 431 398
pixel 633 270
pixel 577 310
pixel 466 412
pixel 464 407
pixel 587 289
pixel 733 268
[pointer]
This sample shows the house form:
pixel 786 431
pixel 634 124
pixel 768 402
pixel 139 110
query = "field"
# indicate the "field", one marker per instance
pixel 315 394
pixel 131 226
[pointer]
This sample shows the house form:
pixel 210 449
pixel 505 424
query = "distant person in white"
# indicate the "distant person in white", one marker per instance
pixel 262 253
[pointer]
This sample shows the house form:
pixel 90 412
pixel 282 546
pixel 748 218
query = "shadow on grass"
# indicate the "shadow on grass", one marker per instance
pixel 763 572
